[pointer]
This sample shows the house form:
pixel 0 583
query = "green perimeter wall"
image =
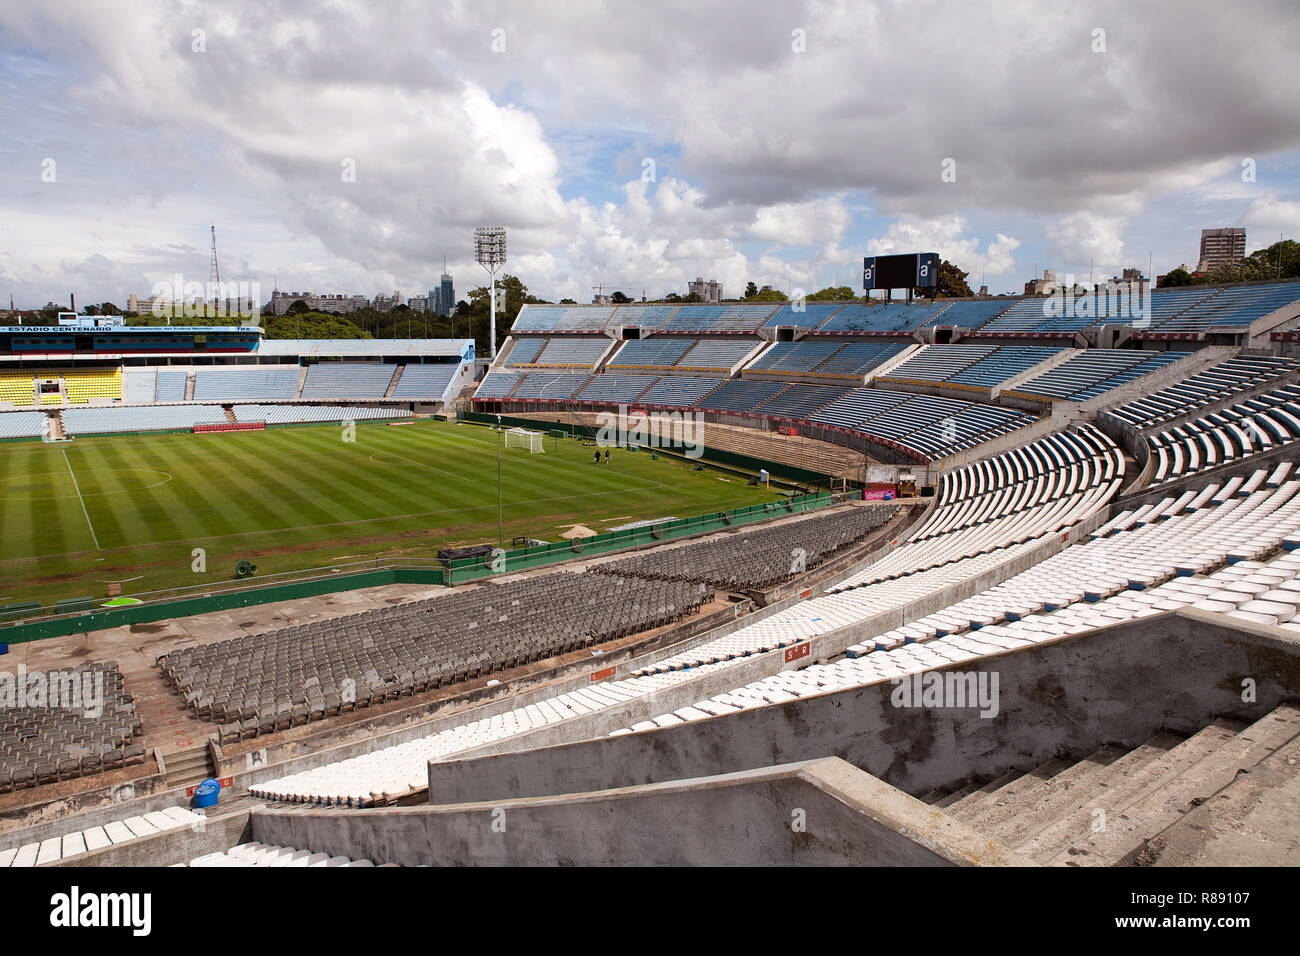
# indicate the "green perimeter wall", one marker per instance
pixel 458 572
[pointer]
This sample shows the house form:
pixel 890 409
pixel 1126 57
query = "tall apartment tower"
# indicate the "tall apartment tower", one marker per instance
pixel 1221 247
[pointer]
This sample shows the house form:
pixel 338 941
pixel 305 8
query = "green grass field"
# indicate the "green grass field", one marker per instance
pixel 130 509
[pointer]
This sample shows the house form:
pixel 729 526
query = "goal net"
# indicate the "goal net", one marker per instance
pixel 523 438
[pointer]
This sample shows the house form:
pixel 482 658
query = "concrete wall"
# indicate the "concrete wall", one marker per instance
pixel 1070 696
pixel 817 813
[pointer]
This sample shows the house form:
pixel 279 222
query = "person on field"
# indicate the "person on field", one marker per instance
pixel 607 456
pixel 598 456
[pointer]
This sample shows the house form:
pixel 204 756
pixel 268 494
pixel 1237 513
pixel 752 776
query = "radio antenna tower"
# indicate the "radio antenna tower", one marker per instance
pixel 214 274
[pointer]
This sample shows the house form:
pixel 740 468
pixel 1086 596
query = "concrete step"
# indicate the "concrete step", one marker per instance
pixel 1020 795
pixel 933 796
pixel 976 797
pixel 950 799
pixel 1125 775
pixel 1132 789
pixel 1053 795
pixel 1121 841
pixel 1250 822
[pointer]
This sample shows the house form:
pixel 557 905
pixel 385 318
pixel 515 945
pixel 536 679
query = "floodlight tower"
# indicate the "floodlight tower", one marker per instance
pixel 490 251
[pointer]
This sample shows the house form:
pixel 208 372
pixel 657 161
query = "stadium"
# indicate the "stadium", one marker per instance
pixel 1083 529
pixel 736 438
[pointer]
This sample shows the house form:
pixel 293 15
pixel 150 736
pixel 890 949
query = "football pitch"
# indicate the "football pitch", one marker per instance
pixel 132 509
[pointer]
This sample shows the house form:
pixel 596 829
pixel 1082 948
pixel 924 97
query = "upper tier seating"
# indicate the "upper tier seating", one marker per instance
pixel 797 357
pixel 716 354
pixel 1093 372
pixel 719 318
pixel 561 351
pixel 810 316
pixel 885 318
pixel 427 380
pixel 1236 306
pixel 1206 387
pixel 971 314
pixel 258 382
pixel 938 363
pixel 654 352
pixel 348 380
pixel 535 318
pixel 85 385
pixel 1003 365
pixel 171 384
pixel 856 359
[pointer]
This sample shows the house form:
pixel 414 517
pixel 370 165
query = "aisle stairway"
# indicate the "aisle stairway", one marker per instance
pixel 1106 808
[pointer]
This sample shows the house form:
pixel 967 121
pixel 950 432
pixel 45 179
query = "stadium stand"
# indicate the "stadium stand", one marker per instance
pixel 932 426
pixel 716 355
pixel 551 386
pixel 87 385
pixel 1093 372
pixel 938 363
pixel 1002 366
pixel 42 743
pixel 348 380
pixel 679 391
pixel 294 414
pixel 497 384
pixel 171 385
pixel 760 558
pixel 800 401
pixel 810 316
pixel 267 682
pixel 655 352
pixel 857 359
pixel 256 383
pixel 1230 434
pixel 561 351
pixel 615 388
pixel 1205 388
pixel 260 855
pixel 425 380
pixel 22 424
pixel 533 318
pixel 103 421
pixel 1237 306
pixel 883 319
pixel 740 395
pixel 798 357
pixel 719 318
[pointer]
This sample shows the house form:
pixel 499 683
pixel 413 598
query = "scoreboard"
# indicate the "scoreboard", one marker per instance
pixel 914 270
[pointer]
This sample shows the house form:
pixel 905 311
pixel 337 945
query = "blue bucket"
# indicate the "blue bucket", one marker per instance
pixel 207 793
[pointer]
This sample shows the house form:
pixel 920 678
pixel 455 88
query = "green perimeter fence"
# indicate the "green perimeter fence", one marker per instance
pixel 164 605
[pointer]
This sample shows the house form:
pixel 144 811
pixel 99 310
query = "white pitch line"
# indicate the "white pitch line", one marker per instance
pixel 77 487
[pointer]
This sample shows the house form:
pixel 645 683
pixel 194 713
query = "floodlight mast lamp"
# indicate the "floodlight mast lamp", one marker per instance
pixel 490 252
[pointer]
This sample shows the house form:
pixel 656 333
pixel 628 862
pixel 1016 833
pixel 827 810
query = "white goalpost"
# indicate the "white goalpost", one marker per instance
pixel 523 438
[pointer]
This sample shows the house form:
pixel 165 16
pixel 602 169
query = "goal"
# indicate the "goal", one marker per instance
pixel 523 438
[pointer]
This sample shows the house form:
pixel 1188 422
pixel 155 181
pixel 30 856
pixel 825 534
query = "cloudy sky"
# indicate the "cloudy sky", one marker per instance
pixel 347 146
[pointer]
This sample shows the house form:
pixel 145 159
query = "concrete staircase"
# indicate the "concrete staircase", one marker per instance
pixel 1104 809
pixel 392 385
